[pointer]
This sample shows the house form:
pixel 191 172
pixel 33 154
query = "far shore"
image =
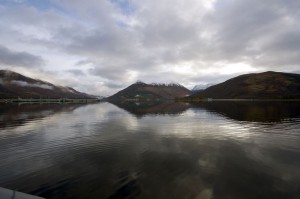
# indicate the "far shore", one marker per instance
pixel 95 100
pixel 50 100
pixel 250 100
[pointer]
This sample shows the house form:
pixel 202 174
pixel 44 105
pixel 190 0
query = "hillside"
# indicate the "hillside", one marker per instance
pixel 14 85
pixel 267 85
pixel 143 91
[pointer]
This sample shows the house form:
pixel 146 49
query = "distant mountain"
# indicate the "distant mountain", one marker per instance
pixel 200 87
pixel 13 85
pixel 267 85
pixel 143 91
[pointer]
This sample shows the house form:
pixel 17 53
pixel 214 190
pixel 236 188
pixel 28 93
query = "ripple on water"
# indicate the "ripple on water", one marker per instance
pixel 101 151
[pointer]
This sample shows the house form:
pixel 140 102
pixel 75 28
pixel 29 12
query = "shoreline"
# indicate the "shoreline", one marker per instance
pixel 52 100
pixel 237 100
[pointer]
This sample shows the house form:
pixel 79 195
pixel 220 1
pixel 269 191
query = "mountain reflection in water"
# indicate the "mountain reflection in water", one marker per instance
pixel 214 150
pixel 12 115
pixel 143 108
pixel 253 111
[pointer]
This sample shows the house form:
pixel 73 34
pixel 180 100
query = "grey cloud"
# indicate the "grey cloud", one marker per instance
pixel 109 73
pixel 161 35
pixel 114 85
pixel 212 78
pixel 105 43
pixel 26 84
pixel 287 41
pixel 10 58
pixel 248 29
pixel 237 31
pixel 76 72
pixel 83 62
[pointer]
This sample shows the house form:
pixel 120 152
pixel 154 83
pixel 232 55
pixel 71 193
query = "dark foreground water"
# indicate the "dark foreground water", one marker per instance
pixel 220 150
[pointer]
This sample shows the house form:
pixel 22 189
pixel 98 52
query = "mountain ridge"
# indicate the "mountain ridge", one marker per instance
pixel 15 85
pixel 153 91
pixel 265 85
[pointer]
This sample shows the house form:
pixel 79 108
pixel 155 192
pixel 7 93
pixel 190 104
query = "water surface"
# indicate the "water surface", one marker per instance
pixel 220 150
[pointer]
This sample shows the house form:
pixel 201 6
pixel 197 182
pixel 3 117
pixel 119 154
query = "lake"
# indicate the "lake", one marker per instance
pixel 220 150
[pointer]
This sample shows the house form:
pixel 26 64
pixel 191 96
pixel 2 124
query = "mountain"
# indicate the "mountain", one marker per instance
pixel 14 85
pixel 201 87
pixel 142 91
pixel 266 85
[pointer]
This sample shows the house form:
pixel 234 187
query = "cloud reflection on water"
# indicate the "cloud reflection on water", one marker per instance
pixel 101 151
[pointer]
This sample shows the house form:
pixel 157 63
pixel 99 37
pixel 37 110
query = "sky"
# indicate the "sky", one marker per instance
pixel 102 46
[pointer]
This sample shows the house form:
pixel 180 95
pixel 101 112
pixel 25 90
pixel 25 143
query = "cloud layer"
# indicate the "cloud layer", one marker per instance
pixel 25 84
pixel 24 59
pixel 102 46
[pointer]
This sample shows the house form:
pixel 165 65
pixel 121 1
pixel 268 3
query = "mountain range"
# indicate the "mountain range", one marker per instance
pixel 266 85
pixel 14 85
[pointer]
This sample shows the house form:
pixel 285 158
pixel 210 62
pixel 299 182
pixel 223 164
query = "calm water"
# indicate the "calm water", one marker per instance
pixel 220 150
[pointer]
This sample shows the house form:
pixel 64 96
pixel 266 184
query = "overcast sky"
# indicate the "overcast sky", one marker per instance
pixel 102 46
